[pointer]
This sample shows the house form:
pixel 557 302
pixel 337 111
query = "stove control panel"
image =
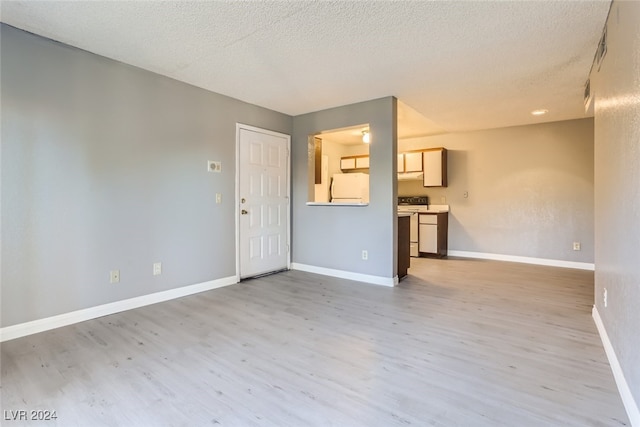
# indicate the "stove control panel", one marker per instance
pixel 413 200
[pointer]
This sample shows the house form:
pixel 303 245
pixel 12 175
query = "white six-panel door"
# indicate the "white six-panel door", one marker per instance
pixel 263 174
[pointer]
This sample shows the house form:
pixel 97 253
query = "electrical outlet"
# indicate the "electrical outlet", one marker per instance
pixel 443 200
pixel 214 166
pixel 114 276
pixel 218 198
pixel 365 255
pixel 576 246
pixel 465 194
pixel 157 268
pixel 605 297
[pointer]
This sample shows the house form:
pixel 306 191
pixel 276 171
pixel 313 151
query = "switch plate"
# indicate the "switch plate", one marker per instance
pixel 157 268
pixel 465 194
pixel 218 198
pixel 365 255
pixel 214 166
pixel 114 276
pixel 576 246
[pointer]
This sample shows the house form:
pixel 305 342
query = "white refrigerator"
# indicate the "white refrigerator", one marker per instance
pixel 350 188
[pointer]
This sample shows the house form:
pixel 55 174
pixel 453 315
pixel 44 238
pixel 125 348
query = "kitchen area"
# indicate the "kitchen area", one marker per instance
pixel 427 223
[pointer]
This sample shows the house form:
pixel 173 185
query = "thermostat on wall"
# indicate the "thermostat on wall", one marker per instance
pixel 213 166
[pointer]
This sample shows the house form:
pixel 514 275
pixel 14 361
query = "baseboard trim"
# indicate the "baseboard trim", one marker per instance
pixel 623 388
pixel 524 259
pixel 33 327
pixel 359 277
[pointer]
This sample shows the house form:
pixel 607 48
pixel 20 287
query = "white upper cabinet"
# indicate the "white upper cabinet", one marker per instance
pixel 362 162
pixel 354 162
pixel 434 164
pixel 413 162
pixel 347 163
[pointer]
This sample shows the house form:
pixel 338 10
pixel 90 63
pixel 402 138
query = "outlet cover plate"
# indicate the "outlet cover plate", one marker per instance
pixel 114 276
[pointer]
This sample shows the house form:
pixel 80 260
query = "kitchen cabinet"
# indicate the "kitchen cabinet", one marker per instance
pixel 317 143
pixel 403 244
pixel 434 167
pixel 362 162
pixel 433 231
pixel 413 162
pixel 347 163
pixel 354 162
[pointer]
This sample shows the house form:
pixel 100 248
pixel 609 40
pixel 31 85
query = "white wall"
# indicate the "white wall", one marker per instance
pixel 616 86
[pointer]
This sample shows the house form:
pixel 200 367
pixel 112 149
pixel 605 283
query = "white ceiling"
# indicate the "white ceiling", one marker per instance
pixel 462 65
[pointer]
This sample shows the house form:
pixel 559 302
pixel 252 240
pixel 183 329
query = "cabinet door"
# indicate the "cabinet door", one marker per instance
pixel 428 241
pixel 362 162
pixel 400 163
pixel 349 163
pixel 413 162
pixel 432 161
pixel 428 219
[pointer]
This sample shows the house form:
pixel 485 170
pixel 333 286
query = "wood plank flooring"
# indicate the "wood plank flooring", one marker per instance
pixel 458 343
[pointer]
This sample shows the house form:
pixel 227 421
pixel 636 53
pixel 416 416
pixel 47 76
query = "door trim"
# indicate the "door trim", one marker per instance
pixel 240 126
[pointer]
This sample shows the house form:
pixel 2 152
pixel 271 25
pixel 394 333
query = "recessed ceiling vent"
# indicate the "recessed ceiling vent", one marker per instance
pixel 588 98
pixel 602 48
pixel 587 92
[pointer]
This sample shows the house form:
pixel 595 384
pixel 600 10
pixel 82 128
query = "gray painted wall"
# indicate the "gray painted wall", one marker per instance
pixel 530 189
pixel 334 236
pixel 104 167
pixel 617 188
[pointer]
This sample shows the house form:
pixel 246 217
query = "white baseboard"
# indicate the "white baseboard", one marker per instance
pixel 41 325
pixel 524 259
pixel 625 392
pixel 359 277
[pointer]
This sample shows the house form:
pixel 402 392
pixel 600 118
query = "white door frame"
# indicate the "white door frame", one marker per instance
pixel 237 209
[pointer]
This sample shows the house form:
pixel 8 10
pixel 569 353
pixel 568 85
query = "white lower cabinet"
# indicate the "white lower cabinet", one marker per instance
pixel 428 238
pixel 432 238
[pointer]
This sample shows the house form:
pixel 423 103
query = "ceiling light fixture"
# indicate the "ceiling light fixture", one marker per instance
pixel 539 112
pixel 366 137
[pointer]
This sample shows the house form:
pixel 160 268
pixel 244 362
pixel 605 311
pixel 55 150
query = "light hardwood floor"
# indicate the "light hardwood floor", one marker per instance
pixel 458 343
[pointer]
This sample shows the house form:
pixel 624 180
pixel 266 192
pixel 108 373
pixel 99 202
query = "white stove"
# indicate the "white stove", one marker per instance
pixel 413 205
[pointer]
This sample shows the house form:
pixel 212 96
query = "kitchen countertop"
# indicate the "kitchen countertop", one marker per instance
pixel 430 209
pixel 434 211
pixel 403 214
pixel 437 209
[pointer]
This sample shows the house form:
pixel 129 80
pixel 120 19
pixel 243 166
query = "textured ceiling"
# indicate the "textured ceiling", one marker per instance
pixel 462 65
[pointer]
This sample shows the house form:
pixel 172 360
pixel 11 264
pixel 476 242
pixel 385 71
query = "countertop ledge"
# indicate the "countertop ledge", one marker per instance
pixel 335 204
pixel 432 209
